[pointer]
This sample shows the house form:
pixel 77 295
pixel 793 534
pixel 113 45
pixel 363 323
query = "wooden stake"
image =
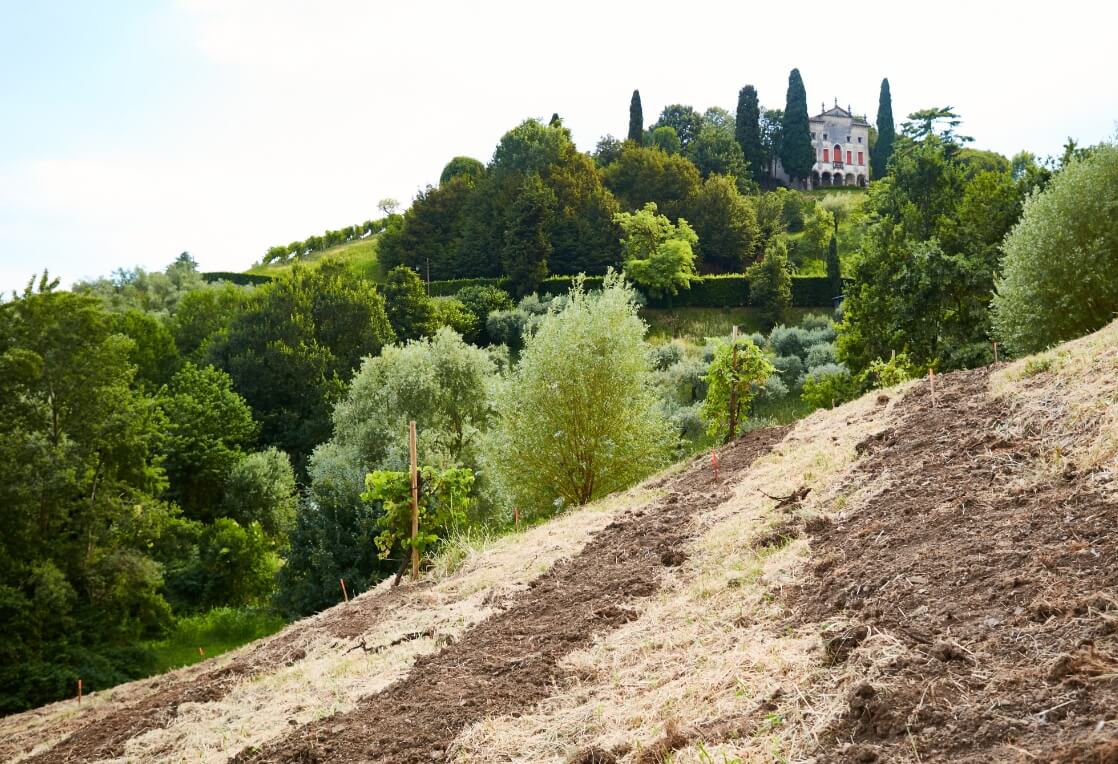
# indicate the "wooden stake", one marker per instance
pixel 932 385
pixel 714 463
pixel 733 385
pixel 412 448
pixel 516 517
pixel 201 652
pixel 79 692
pixel 995 353
pixel 344 592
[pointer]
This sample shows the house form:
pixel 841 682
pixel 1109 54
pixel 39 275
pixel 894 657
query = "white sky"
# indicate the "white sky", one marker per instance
pixel 223 126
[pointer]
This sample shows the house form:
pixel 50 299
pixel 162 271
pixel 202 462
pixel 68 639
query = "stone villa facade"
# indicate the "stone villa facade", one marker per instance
pixel 842 150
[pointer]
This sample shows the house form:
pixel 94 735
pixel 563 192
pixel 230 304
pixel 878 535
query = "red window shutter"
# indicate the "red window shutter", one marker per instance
pixel 860 161
pixel 826 155
pixel 849 159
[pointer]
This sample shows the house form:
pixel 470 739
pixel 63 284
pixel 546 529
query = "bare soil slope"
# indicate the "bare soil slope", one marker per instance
pixel 907 578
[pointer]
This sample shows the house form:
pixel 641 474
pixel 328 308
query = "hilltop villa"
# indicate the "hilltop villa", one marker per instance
pixel 842 149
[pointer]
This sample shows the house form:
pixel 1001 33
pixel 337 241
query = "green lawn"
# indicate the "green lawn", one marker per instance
pixel 360 256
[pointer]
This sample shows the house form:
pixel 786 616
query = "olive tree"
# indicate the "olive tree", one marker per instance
pixel 1060 273
pixel 579 417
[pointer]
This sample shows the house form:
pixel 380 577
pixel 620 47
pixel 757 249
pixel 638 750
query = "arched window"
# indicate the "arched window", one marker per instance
pixel 838 153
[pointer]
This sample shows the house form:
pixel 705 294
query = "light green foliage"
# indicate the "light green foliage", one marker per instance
pixel 770 282
pixel 260 488
pixel 819 229
pixel 737 373
pixel 726 224
pixel 236 565
pixel 579 418
pixel 1060 274
pixel 442 383
pixel 208 428
pixel 453 314
pixel 828 385
pixel 658 255
pixel 665 139
pixel 896 370
pixel 217 631
pixel 151 292
pixel 444 499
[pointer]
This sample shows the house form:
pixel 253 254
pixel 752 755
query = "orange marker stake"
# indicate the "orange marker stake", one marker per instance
pixel 79 692
pixel 714 464
pixel 516 517
pixel 344 592
pixel 932 385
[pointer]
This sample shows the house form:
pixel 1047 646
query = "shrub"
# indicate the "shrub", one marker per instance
pixel 664 356
pixel 770 281
pixel 481 301
pixel 896 370
pixel 579 418
pixel 819 355
pixel 506 327
pixel 772 389
pixel 1060 270
pixel 687 421
pixel 828 385
pixel 450 312
pixel 790 340
pixel 790 368
pixel 733 374
pixel 816 321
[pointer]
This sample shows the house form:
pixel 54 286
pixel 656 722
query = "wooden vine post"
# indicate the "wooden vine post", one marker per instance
pixel 733 385
pixel 414 499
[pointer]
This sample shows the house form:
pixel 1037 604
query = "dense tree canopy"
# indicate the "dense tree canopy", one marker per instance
pixel 292 349
pixel 643 175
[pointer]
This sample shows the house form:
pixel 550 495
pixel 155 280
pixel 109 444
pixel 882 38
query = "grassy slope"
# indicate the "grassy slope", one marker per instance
pixel 714 643
pixel 361 256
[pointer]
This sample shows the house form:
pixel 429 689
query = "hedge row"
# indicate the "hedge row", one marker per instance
pixel 451 286
pixel 725 291
pixel 243 279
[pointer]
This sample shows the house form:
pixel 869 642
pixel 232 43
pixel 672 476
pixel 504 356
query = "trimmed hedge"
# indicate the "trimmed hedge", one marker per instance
pixel 450 287
pixel 244 279
pixel 722 291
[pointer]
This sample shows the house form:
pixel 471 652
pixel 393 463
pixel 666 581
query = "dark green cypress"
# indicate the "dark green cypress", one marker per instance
pixel 636 119
pixel 748 131
pixel 834 273
pixel 886 133
pixel 796 154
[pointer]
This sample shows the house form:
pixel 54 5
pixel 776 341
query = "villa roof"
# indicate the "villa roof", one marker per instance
pixel 838 111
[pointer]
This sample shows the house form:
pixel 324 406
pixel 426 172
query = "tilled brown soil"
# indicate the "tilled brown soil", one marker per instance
pixel 104 733
pixel 509 662
pixel 1000 591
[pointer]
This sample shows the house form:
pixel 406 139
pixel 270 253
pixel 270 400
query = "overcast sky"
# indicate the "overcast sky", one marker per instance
pixel 131 131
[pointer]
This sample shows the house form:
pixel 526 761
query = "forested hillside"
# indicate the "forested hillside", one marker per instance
pixel 193 460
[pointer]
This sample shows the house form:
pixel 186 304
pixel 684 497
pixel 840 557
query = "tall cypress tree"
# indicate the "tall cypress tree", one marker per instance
pixel 636 119
pixel 796 154
pixel 886 132
pixel 748 131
